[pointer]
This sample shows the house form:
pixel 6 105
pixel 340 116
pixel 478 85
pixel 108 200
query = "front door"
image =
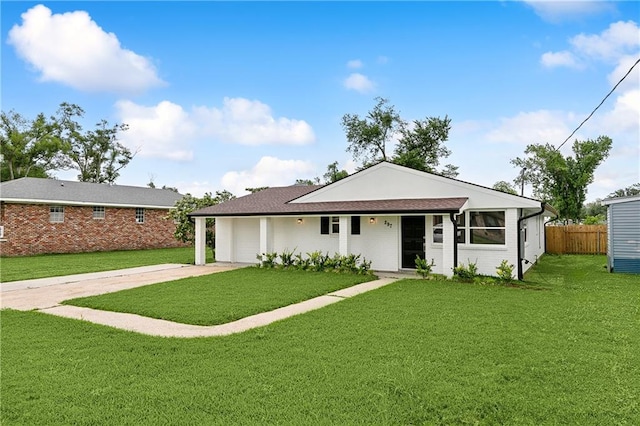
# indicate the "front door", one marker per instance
pixel 412 240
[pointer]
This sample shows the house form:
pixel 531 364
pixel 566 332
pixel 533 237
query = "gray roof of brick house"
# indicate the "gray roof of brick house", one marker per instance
pixel 52 191
pixel 276 201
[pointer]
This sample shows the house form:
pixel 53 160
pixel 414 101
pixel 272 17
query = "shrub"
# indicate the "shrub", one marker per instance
pixel 286 258
pixel 267 260
pixel 317 261
pixel 466 273
pixel 423 268
pixel 505 271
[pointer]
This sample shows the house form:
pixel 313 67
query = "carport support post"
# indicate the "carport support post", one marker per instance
pixel 266 245
pixel 201 240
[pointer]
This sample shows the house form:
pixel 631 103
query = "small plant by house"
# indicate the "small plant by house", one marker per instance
pixel 505 272
pixel 423 268
pixel 267 260
pixel 466 273
pixel 316 261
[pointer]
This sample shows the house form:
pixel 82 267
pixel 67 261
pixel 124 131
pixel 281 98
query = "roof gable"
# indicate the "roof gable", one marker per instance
pixel 389 181
pixel 38 190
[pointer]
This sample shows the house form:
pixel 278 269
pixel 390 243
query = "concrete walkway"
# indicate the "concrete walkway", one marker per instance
pixel 45 296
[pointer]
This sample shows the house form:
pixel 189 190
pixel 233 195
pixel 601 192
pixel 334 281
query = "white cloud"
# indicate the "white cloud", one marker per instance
pixel 625 115
pixel 168 131
pixel 559 59
pixel 250 122
pixel 159 131
pixel 71 49
pixel 532 127
pixel 624 65
pixel 354 64
pixel 617 40
pixel 359 83
pixel 269 171
pixel 556 11
pixel 619 44
pixel 195 188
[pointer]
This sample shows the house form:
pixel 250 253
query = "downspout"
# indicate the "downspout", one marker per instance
pixel 520 253
pixel 455 238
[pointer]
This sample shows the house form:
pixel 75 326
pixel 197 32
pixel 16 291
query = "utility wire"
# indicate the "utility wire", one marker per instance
pixel 599 105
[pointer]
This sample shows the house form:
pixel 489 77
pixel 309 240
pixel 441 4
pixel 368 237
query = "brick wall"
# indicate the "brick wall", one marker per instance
pixel 27 230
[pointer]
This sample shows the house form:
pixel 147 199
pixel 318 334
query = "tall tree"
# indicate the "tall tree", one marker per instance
pixel 29 147
pixel 368 137
pixel 421 146
pixel 503 186
pixel 563 180
pixel 334 174
pixel 96 154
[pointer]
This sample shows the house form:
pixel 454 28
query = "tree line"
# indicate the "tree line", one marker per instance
pixel 43 145
pixel 37 147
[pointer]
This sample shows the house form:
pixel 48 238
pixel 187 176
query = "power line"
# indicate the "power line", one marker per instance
pixel 600 104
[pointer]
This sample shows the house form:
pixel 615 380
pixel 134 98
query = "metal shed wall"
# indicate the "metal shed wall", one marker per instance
pixel 624 236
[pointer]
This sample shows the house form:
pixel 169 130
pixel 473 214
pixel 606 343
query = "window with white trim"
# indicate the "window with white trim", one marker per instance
pixel 56 214
pixel 437 228
pixel 487 227
pixel 139 215
pixel 98 212
pixel 335 224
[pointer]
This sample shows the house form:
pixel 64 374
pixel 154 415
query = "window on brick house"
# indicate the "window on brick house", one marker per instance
pixel 139 215
pixel 56 214
pixel 98 212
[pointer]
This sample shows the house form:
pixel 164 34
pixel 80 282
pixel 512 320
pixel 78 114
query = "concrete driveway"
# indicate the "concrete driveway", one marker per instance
pixel 45 295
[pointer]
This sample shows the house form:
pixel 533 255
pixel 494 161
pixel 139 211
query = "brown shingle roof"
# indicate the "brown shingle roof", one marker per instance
pixel 275 201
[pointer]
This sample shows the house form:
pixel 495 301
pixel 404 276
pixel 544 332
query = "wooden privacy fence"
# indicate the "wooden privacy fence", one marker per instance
pixel 576 239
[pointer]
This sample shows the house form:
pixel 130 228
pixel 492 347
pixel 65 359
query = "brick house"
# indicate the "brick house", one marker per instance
pixel 54 216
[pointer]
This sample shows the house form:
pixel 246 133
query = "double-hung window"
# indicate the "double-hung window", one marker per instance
pixel 487 227
pixel 56 214
pixel 98 212
pixel 139 215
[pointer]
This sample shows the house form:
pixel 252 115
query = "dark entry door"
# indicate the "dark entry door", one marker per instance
pixel 412 240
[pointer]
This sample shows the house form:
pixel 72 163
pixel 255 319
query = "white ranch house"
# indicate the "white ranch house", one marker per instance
pixel 387 213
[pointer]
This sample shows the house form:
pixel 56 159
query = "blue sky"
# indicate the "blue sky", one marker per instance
pixel 229 95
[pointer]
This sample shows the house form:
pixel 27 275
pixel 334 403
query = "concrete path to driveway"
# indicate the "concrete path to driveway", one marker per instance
pixel 45 295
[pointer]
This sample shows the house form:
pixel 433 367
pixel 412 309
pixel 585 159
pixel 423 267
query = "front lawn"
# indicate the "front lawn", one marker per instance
pixel 55 265
pixel 222 297
pixel 414 352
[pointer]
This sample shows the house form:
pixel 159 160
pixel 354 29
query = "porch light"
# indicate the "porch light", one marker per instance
pixel 299 220
pixel 372 220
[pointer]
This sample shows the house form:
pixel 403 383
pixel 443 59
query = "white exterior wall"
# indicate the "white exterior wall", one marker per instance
pixel 303 237
pixel 246 237
pixel 534 246
pixel 224 239
pixel 434 250
pixel 487 256
pixel 379 242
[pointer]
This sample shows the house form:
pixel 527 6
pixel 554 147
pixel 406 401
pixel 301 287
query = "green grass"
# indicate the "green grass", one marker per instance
pixel 415 352
pixel 222 297
pixel 54 265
